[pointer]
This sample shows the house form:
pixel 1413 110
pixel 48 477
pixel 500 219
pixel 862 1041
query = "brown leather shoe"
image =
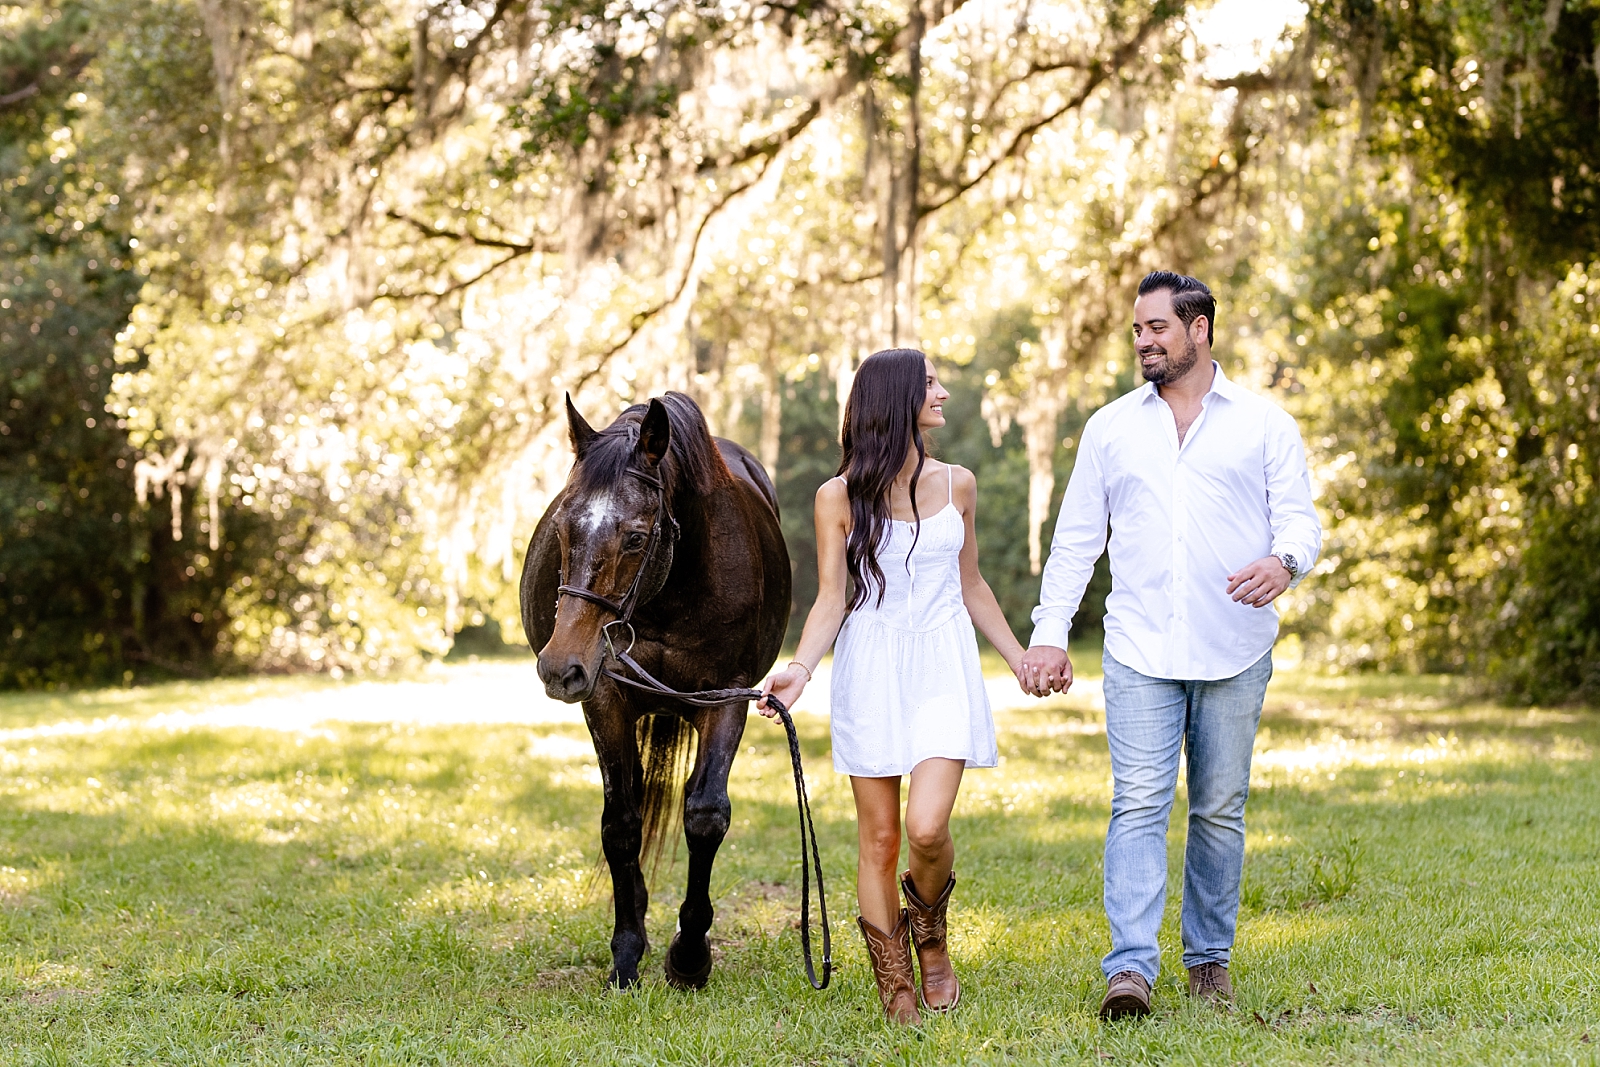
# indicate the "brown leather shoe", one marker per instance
pixel 1210 981
pixel 1127 994
pixel 939 991
pixel 891 967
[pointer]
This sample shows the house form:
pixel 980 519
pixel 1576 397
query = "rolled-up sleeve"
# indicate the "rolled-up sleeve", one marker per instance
pixel 1079 539
pixel 1296 527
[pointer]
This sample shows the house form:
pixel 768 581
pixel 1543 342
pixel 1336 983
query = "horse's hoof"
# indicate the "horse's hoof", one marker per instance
pixel 692 978
pixel 620 980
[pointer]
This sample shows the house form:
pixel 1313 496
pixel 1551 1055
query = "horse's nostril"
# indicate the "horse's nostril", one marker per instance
pixel 574 677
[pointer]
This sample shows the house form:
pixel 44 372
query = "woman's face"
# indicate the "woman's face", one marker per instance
pixel 931 417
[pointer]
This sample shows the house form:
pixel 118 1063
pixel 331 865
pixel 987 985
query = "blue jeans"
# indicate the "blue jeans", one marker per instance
pixel 1148 721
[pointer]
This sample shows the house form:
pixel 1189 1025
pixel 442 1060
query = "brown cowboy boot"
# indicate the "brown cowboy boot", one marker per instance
pixel 891 966
pixel 940 991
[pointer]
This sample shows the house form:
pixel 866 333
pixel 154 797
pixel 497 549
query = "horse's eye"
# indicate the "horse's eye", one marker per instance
pixel 634 542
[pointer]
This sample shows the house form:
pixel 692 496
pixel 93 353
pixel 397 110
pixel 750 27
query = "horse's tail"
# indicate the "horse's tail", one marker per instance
pixel 665 743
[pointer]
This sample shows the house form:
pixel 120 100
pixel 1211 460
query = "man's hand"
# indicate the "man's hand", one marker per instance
pixel 1260 583
pixel 1045 669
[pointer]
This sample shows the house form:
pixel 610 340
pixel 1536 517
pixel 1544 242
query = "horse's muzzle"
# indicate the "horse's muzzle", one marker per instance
pixel 566 678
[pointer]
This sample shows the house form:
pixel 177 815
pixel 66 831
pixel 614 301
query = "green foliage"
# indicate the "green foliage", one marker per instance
pixel 1549 636
pixel 1426 314
pixel 597 95
pixel 809 457
pixel 92 587
pixel 1500 102
pixel 353 254
pixel 1002 474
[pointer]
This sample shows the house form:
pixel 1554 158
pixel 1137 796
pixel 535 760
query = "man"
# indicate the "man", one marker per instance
pixel 1205 487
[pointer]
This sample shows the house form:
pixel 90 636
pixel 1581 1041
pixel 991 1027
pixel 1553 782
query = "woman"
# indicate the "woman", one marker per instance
pixel 897 552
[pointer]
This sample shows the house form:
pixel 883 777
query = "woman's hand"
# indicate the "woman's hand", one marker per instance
pixel 786 685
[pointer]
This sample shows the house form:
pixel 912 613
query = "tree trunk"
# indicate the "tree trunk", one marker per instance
pixel 1041 408
pixel 771 415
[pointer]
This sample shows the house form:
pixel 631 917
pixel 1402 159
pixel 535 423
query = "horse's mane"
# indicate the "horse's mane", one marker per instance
pixel 692 463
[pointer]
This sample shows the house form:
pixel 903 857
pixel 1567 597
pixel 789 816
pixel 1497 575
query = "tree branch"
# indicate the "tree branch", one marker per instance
pixel 1210 183
pixel 521 248
pixel 457 285
pixel 1163 12
pixel 1034 70
pixel 71 63
pixel 643 317
pixel 767 145
pixel 20 95
pixel 836 279
pixel 462 58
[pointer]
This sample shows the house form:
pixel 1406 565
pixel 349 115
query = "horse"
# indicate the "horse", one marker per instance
pixel 665 543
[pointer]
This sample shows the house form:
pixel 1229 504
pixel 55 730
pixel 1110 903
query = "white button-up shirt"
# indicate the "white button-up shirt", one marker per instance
pixel 1183 518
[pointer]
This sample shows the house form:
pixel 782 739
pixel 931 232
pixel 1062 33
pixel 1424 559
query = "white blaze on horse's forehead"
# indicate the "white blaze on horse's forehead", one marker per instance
pixel 598 510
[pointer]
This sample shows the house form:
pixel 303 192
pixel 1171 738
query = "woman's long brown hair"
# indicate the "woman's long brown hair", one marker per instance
pixel 880 418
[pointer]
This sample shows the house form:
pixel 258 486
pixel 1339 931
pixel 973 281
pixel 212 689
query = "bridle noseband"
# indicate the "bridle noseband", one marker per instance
pixel 623 609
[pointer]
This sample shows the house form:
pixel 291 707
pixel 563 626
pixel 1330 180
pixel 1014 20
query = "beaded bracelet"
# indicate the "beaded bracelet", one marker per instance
pixel 802 666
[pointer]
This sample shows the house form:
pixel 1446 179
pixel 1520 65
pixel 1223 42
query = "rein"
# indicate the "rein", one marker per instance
pixel 709 698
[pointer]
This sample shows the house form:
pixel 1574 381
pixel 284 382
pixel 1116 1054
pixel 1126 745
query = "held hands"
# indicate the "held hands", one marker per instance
pixel 786 685
pixel 1260 583
pixel 1044 669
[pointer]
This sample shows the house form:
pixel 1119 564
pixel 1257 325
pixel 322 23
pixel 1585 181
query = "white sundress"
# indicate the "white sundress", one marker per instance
pixel 907 685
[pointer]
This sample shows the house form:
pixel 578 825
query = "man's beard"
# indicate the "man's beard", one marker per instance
pixel 1168 370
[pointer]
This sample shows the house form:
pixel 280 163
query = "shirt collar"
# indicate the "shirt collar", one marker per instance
pixel 1220 385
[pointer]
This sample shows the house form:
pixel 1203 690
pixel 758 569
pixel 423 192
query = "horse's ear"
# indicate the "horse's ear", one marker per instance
pixel 582 433
pixel 655 433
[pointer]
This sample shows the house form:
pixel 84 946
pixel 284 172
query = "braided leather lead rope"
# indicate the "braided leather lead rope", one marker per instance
pixel 809 855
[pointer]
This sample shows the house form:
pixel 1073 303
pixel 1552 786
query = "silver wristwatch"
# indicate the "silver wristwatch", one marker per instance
pixel 1290 564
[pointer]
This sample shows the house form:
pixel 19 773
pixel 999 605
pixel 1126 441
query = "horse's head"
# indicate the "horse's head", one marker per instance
pixel 616 539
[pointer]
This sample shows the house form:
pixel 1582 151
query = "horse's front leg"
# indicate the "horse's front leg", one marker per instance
pixel 611 724
pixel 706 814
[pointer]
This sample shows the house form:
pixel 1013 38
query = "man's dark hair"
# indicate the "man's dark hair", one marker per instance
pixel 1190 298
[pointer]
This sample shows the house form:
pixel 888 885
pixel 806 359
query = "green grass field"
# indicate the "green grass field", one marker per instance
pixel 195 875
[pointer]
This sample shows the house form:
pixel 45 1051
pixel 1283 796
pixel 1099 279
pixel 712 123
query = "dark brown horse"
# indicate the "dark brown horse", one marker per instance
pixel 664 539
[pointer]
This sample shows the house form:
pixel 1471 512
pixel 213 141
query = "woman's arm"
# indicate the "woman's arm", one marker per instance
pixel 975 592
pixel 832 517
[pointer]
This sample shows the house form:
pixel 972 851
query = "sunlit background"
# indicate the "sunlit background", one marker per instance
pixel 291 292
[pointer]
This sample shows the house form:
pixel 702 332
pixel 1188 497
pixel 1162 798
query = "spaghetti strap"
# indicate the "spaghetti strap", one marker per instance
pixel 950 481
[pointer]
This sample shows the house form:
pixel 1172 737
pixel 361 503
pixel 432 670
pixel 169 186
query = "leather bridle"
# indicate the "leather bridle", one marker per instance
pixel 623 609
